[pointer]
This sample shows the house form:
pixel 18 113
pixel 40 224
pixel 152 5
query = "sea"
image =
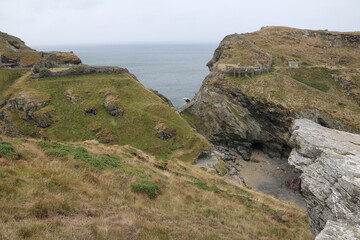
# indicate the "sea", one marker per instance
pixel 174 70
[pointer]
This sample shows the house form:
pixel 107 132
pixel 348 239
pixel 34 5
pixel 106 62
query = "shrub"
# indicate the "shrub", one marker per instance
pixel 7 150
pixel 148 187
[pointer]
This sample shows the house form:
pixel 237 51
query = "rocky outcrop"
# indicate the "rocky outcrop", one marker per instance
pixel 73 97
pixel 76 70
pixel 163 132
pixel 113 106
pixel 15 54
pixel 330 164
pixel 31 107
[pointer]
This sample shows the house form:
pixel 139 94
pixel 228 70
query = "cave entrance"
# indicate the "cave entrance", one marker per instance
pixel 257 146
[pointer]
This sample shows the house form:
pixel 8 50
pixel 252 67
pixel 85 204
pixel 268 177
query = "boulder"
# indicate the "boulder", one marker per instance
pixel 330 181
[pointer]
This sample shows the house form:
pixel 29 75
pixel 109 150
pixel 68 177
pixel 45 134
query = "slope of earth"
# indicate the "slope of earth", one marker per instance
pixel 51 190
pixel 112 108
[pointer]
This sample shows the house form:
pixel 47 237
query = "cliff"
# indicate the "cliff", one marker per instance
pixel 330 164
pixel 252 96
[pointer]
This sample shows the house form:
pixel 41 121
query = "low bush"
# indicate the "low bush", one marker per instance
pixel 148 187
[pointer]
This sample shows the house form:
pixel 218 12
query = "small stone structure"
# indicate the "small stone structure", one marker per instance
pixel 238 71
pixel 293 64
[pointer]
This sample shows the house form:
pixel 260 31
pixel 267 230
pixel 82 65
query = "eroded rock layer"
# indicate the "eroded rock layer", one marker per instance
pixel 330 162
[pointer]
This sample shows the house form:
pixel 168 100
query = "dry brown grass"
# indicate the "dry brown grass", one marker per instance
pixel 54 198
pixel 291 44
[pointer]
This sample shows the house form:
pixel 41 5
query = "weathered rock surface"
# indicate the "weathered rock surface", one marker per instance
pixel 113 106
pixel 330 162
pixel 163 132
pixel 233 119
pixel 31 106
pixel 339 231
pixel 73 97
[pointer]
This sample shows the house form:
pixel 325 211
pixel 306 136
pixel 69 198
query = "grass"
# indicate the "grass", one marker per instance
pixel 204 186
pixel 79 153
pixel 136 127
pixel 318 78
pixel 7 78
pixel 44 197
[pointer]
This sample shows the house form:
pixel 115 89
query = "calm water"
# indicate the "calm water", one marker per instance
pixel 174 70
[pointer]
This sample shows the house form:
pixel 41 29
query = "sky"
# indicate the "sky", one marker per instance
pixel 71 22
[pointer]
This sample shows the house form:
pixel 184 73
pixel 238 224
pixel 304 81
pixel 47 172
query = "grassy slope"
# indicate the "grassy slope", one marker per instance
pixel 55 192
pixel 143 110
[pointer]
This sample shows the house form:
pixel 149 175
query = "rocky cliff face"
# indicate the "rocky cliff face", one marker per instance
pixel 233 119
pixel 330 164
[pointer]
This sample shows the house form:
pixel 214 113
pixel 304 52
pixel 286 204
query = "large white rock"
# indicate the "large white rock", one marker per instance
pixel 330 162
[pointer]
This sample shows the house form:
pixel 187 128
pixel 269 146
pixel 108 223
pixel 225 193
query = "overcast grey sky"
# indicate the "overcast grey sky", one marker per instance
pixel 51 22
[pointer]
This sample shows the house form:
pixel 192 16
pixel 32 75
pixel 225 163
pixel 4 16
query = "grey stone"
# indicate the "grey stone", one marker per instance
pixel 339 231
pixel 90 112
pixel 113 106
pixel 244 152
pixel 330 163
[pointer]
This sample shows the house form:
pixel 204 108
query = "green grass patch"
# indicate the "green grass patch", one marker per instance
pixel 319 78
pixel 147 187
pixel 7 150
pixel 203 185
pixel 79 153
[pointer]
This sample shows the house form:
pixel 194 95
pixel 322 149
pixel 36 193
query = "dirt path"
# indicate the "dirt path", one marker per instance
pixel 20 81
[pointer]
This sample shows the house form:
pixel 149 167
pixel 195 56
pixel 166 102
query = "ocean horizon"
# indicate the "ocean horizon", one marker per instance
pixel 174 70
